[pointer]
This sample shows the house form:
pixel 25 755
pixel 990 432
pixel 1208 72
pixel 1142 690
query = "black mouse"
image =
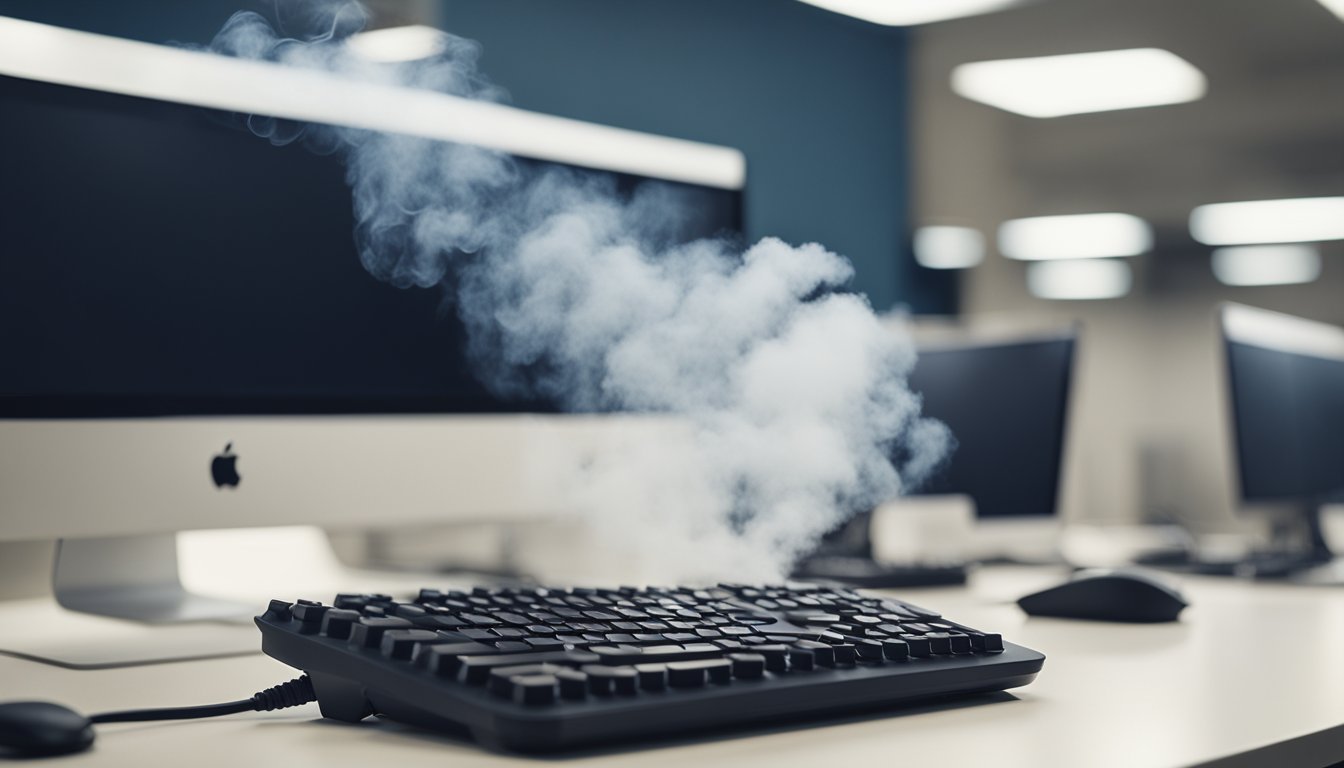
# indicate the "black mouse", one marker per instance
pixel 1107 596
pixel 33 728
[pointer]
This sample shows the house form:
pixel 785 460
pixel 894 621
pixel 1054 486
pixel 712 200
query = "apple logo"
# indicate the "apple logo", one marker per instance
pixel 224 469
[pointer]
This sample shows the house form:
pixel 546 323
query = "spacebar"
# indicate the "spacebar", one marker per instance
pixel 655 654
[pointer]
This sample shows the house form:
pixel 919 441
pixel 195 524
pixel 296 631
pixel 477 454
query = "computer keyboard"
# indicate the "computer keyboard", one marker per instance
pixel 537 669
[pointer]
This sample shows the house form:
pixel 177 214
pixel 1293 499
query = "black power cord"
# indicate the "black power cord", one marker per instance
pixel 39 728
pixel 291 694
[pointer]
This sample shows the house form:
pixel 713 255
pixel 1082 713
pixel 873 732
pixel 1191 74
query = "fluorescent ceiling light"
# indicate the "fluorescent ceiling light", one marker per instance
pixel 1334 6
pixel 1088 279
pixel 392 44
pixel 1051 86
pixel 1301 220
pixel 1082 236
pixel 904 13
pixel 945 247
pixel 49 54
pixel 1266 264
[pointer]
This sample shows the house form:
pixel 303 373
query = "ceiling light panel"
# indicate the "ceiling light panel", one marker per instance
pixel 1080 236
pixel 393 44
pixel 1079 280
pixel 1267 264
pixel 904 13
pixel 1296 220
pixel 1076 83
pixel 947 247
pixel 1334 6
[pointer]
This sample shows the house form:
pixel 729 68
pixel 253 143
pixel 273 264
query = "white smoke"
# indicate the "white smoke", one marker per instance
pixel 794 392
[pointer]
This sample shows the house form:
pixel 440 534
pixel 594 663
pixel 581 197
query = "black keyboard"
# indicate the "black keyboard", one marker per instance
pixel 548 669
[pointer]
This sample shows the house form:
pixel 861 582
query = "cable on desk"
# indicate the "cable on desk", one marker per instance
pixel 291 694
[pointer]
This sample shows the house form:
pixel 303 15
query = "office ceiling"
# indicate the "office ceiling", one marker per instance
pixel 1271 125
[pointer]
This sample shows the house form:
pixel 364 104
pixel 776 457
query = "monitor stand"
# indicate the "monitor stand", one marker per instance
pixel 119 602
pixel 133 577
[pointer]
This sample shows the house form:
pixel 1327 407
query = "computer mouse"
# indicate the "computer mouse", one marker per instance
pixel 1107 596
pixel 38 728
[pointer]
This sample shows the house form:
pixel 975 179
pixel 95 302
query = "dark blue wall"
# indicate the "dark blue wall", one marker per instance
pixel 818 102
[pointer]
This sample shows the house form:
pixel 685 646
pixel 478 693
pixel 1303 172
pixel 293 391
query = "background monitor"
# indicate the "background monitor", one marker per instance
pixel 1006 402
pixel 184 305
pixel 1285 379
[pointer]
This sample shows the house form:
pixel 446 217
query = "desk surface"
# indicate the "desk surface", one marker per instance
pixel 1252 675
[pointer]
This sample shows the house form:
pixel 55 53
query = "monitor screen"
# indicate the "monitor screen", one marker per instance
pixel 169 262
pixel 1006 405
pixel 1286 382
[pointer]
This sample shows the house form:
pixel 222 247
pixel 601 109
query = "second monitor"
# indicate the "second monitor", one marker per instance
pixel 1006 403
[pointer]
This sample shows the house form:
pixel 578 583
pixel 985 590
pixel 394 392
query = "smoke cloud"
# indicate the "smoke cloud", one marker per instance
pixel 792 391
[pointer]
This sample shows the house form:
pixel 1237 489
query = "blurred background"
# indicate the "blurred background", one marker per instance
pixel 865 129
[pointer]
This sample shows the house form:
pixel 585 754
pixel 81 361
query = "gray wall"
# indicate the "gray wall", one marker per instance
pixel 817 101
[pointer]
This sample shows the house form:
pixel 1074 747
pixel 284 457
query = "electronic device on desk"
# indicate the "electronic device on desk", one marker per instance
pixel 540 670
pixel 1103 594
pixel 1285 385
pixel 192 341
pixel 1006 401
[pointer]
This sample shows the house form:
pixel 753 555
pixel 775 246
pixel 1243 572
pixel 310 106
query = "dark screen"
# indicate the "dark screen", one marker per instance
pixel 1006 406
pixel 157 259
pixel 1288 411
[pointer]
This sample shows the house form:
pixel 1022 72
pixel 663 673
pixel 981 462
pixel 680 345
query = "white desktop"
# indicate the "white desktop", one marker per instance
pixel 115 473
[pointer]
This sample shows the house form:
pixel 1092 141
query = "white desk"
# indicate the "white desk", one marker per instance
pixel 1252 675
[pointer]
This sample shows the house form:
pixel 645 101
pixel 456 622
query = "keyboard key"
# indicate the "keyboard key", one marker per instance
pixel 652 677
pixel 309 612
pixel 442 658
pixel 869 649
pixel 801 659
pixel 398 643
pixel 961 643
pixel 368 632
pixel 776 656
pixel 282 610
pixel 408 611
pixel 895 650
pixel 617 656
pixel 822 653
pixel 804 618
pixel 573 684
pixel 939 642
pixel 692 674
pixel 919 645
pixel 604 680
pixel 747 666
pixel 337 623
pixel 500 681
pixel 475 669
pixel 534 690
pixel 845 653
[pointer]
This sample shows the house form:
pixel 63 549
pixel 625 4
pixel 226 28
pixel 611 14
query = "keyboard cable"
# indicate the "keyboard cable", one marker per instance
pixel 291 694
pixel 44 729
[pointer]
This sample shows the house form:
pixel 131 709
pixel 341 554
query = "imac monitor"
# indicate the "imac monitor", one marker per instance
pixel 1006 403
pixel 1285 378
pixel 190 338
